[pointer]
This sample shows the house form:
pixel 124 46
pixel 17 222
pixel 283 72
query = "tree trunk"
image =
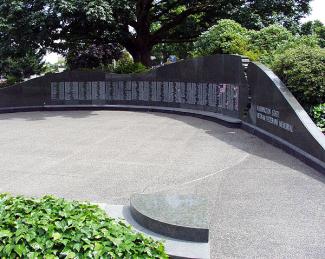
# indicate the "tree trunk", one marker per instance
pixel 141 52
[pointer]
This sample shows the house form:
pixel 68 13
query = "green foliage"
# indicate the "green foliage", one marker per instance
pixel 54 228
pixel 93 56
pixel 302 69
pixel 315 28
pixel 126 65
pixel 318 114
pixel 15 68
pixel 268 40
pixel 55 68
pixel 227 37
pixel 22 35
pixel 62 24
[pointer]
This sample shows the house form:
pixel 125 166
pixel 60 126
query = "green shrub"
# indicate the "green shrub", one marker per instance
pixel 11 80
pixel 226 37
pixel 125 65
pixel 54 228
pixel 318 114
pixel 268 58
pixel 302 69
pixel 269 38
pixel 315 28
pixel 129 68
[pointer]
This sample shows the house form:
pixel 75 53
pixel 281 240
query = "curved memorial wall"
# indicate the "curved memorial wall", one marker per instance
pixel 216 87
pixel 276 115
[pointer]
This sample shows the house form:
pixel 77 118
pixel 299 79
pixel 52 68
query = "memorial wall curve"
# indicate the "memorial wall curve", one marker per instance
pixel 218 87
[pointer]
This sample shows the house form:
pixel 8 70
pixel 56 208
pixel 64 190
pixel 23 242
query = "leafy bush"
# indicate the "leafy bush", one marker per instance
pixel 229 37
pixel 302 69
pixel 270 38
pixel 125 65
pixel 226 37
pixel 318 114
pixel 129 68
pixel 315 28
pixel 54 228
pixel 268 58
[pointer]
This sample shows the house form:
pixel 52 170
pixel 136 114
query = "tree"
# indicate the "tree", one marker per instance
pixel 92 55
pixel 139 25
pixel 16 68
pixel 23 32
pixel 226 37
pixel 316 28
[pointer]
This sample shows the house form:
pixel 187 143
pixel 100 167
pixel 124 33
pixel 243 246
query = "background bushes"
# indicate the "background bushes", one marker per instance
pixel 226 37
pixel 302 69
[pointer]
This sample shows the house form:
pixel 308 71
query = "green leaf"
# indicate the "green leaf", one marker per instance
pixel 5 233
pixel 56 236
pixel 20 249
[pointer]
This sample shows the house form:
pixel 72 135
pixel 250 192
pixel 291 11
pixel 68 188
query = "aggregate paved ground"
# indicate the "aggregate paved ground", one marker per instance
pixel 264 203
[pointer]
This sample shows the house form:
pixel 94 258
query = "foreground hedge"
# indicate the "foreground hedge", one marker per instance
pixel 55 228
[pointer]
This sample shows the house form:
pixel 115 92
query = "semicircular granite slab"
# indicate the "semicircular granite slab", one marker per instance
pixel 182 217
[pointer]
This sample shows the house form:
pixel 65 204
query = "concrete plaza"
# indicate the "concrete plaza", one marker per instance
pixel 263 203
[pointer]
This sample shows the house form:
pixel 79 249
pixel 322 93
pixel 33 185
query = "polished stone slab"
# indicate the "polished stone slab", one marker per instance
pixel 183 217
pixel 176 249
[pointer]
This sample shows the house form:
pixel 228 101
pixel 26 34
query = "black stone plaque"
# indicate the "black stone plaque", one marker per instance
pixel 61 91
pixel 116 93
pixel 146 91
pixel 109 91
pixel 67 91
pixel 134 91
pixel 202 94
pixel 143 91
pixel 172 92
pixel 191 93
pixel 212 100
pixel 128 90
pixel 54 91
pixel 102 91
pixel 178 92
pixel 156 91
pixel 88 91
pixel 82 91
pixel 95 91
pixel 222 96
pixel 75 91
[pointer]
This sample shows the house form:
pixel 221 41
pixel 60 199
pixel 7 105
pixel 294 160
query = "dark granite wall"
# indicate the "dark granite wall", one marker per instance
pixel 276 111
pixel 207 84
pixel 217 84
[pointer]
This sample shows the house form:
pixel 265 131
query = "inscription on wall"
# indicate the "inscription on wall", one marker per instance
pixel 221 96
pixel 272 116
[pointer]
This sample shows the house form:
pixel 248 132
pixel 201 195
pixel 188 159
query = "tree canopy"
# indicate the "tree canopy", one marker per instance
pixel 316 28
pixel 137 25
